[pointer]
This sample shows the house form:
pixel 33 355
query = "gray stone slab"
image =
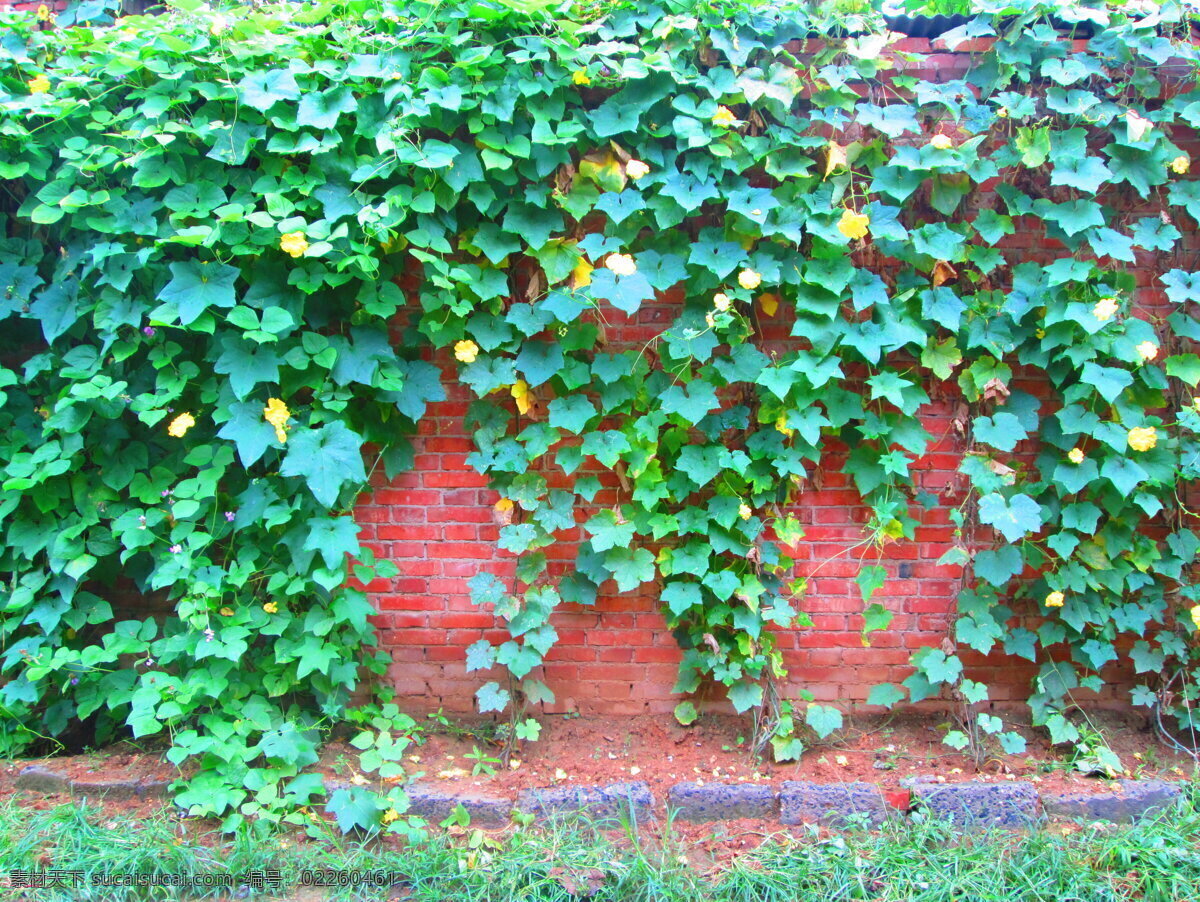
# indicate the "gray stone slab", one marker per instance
pixel 722 801
pixel 1137 799
pixel 972 804
pixel 37 778
pixel 105 787
pixel 831 803
pixel 616 800
pixel 435 805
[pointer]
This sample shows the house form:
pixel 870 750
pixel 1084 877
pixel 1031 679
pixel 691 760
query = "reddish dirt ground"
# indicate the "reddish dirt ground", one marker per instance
pixel 597 751
pixel 884 751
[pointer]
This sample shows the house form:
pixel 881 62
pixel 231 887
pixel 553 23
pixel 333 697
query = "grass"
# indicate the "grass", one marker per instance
pixel 914 862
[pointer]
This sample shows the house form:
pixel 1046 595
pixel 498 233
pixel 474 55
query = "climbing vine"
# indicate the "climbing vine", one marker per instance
pixel 228 239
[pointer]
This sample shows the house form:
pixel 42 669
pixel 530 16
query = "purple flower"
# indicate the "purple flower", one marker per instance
pixel 175 549
pixel 74 681
pixel 148 330
pixel 230 516
pixel 209 634
pixel 166 492
pixel 605 71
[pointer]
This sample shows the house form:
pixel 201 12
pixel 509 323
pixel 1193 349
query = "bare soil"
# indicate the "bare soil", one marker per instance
pixel 890 752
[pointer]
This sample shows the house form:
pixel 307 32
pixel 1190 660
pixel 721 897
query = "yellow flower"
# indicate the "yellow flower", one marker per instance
pixel 180 425
pixel 580 77
pixel 1076 456
pixel 749 279
pixel 39 85
pixel 854 225
pixel 466 351
pixel 721 302
pixel 226 612
pixel 520 393
pixel 390 815
pixel 277 414
pixel 1195 612
pixel 219 26
pixel 724 116
pixel 1002 113
pixel 1196 404
pixel 581 275
pixel 744 511
pixel 1143 438
pixel 635 169
pixel 782 426
pixel 709 320
pixel 1055 600
pixel 621 264
pixel 1105 309
pixel 1040 333
pixel 271 607
pixel 1181 164
pixel 294 243
pixel 43 13
pixel 941 142
pixel 1147 350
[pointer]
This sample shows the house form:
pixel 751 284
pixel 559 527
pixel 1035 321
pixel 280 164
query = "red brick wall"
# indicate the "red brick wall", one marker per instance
pixel 617 657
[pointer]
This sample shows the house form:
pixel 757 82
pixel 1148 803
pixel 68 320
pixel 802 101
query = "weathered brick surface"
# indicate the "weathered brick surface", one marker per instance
pixel 436 805
pixel 618 800
pixel 831 803
pixel 721 801
pixel 972 804
pixel 1134 801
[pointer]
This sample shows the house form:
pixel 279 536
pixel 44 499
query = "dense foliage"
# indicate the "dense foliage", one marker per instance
pixel 206 221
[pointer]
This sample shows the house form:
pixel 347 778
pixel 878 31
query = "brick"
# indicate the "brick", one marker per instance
pixel 831 803
pixel 617 801
pixel 721 801
pixel 978 804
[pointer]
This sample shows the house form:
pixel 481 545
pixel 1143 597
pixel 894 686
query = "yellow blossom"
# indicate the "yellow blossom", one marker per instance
pixel 294 244
pixel 1002 113
pixel 581 275
pixel 466 351
pixel 180 425
pixel 635 169
pixel 271 607
pixel 621 264
pixel 1147 350
pixel 1181 164
pixel 520 393
pixel 721 302
pixel 1040 333
pixel 744 511
pixel 749 279
pixel 1105 309
pixel 1076 456
pixel 226 612
pixel 39 85
pixel 390 815
pixel 277 414
pixel 1195 612
pixel 1055 600
pixel 724 116
pixel 854 225
pixel 769 303
pixel 43 13
pixel 941 142
pixel 709 320
pixel 1143 438
pixel 580 77
pixel 1196 404
pixel 782 426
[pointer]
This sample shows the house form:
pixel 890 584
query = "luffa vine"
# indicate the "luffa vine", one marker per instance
pixel 207 224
